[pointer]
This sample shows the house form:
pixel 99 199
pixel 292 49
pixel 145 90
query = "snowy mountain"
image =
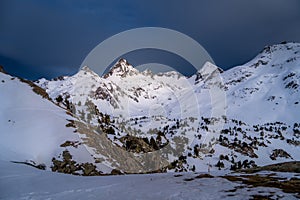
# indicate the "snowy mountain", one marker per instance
pixel 135 122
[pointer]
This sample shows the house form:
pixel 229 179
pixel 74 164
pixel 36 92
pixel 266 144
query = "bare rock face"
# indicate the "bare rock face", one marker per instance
pixel 69 166
pixel 116 172
pixel 2 69
pixel 279 153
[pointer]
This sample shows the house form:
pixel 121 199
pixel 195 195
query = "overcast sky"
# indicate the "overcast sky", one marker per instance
pixel 51 38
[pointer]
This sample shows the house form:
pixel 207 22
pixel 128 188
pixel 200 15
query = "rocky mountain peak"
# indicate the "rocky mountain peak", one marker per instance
pixel 277 55
pixel 122 68
pixel 206 71
pixel 283 46
pixel 2 69
pixel 87 70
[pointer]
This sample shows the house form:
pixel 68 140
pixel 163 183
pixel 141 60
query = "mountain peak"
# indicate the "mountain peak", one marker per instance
pixel 206 71
pixel 276 55
pixel 277 48
pixel 86 72
pixel 86 69
pixel 283 46
pixel 2 70
pixel 122 68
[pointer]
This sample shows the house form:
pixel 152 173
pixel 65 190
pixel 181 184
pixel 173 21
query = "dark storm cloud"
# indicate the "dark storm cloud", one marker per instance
pixel 51 38
pixel 234 31
pixel 55 36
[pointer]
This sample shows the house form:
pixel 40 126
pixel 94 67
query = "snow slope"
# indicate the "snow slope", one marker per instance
pixel 32 127
pixel 267 87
